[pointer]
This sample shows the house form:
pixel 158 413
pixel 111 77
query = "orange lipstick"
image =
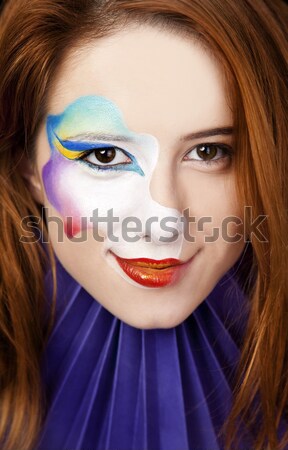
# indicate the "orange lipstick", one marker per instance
pixel 151 272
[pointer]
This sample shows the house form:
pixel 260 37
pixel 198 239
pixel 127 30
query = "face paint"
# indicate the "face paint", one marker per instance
pixel 77 182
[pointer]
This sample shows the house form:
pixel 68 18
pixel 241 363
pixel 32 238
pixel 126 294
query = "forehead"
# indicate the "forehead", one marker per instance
pixel 162 82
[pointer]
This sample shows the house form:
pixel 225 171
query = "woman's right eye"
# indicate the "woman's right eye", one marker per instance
pixel 106 157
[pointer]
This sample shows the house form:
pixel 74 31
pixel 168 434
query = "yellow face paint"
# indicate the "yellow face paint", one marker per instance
pixel 65 152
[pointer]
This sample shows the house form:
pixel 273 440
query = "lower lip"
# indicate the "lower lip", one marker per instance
pixel 150 276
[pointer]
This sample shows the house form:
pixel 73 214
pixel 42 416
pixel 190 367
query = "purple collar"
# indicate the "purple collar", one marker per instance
pixel 114 387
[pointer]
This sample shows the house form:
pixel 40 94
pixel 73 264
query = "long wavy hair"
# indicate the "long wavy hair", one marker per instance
pixel 249 38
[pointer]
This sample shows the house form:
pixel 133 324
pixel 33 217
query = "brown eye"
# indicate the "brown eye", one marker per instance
pixel 207 152
pixel 105 155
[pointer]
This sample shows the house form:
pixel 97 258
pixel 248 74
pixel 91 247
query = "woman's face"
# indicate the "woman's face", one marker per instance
pixel 135 160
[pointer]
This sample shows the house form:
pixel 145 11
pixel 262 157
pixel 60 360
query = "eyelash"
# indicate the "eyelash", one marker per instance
pixel 228 153
pixel 129 166
pixel 108 167
pixel 227 149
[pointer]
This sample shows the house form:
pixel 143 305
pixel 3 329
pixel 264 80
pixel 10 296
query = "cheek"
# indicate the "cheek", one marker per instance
pixel 76 194
pixel 58 181
pixel 214 194
pixel 213 202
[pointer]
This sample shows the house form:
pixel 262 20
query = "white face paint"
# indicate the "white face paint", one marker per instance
pixel 83 188
pixel 154 103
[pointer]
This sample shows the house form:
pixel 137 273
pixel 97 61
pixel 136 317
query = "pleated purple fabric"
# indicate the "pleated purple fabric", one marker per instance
pixel 114 387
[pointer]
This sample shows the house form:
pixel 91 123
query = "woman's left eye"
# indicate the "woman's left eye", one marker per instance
pixel 209 153
pixel 106 156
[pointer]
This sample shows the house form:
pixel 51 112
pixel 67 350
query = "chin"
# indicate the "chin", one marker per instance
pixel 154 317
pixel 150 323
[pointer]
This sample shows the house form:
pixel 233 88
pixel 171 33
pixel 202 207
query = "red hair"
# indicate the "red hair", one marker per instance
pixel 249 37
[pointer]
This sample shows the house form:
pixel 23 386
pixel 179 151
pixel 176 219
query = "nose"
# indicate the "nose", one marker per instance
pixel 163 223
pixel 163 185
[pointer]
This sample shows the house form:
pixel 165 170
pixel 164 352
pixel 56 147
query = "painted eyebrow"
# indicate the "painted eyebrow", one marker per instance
pixel 219 131
pixel 100 136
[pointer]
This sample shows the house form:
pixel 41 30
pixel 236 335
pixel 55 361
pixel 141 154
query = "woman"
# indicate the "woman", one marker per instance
pixel 153 136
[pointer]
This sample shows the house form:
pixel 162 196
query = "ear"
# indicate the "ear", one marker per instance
pixel 30 173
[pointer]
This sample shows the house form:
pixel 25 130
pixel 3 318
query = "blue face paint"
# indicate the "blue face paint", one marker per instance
pixel 75 183
pixel 78 130
pixel 80 150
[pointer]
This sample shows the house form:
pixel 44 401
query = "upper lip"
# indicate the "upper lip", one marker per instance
pixel 148 263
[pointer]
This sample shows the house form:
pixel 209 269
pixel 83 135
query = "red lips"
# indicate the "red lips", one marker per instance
pixel 151 272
